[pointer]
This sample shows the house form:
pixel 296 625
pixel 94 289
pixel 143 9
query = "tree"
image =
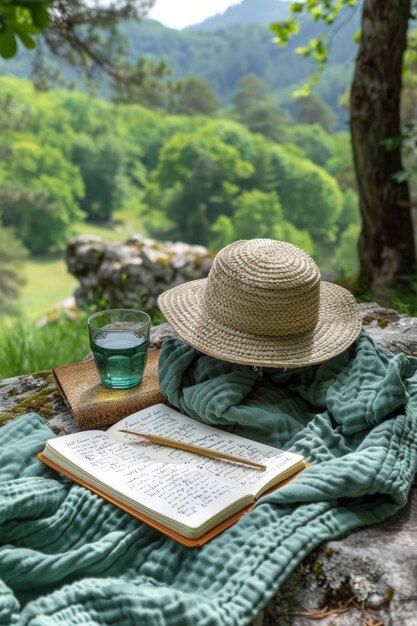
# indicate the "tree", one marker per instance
pixel 350 212
pixel 409 90
pixel 344 262
pixel 317 145
pixel 310 109
pixel 148 82
pixel 267 119
pixel 39 193
pixel 197 178
pixel 256 109
pixel 196 97
pixel 257 214
pixel 80 32
pixel 12 256
pixel 250 92
pixel 387 249
pixel 152 86
pixel 101 163
pixel 340 164
pixel 386 244
pixel 310 197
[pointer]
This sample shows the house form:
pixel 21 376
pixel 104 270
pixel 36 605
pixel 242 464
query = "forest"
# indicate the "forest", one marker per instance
pixel 69 157
pixel 244 44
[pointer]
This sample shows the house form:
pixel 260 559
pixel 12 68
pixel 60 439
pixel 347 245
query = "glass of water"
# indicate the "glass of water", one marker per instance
pixel 119 340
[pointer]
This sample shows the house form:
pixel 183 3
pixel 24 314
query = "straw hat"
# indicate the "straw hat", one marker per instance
pixel 263 304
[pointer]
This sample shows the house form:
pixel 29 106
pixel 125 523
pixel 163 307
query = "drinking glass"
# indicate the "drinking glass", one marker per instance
pixel 119 340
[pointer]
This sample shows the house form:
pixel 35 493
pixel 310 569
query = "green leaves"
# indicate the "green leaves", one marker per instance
pixel 38 10
pixel 8 45
pixel 325 11
pixel 284 30
pixel 316 49
pixel 393 143
pixel 21 20
pixel 401 176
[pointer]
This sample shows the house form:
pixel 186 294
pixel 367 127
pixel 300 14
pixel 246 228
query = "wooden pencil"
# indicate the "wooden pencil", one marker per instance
pixel 188 447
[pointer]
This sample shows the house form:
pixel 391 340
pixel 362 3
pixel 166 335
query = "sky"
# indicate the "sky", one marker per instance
pixel 182 13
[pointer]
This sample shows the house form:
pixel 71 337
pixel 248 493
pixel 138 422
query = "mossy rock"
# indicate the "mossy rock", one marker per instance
pixel 35 393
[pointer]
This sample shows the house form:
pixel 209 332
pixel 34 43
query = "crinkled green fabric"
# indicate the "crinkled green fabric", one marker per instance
pixel 69 558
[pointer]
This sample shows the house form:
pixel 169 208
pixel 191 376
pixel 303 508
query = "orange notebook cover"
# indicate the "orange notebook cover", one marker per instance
pixel 185 541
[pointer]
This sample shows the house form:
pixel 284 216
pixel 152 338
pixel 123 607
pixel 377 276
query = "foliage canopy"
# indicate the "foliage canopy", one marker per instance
pixel 194 178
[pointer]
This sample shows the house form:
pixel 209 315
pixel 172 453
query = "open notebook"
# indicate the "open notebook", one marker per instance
pixel 189 497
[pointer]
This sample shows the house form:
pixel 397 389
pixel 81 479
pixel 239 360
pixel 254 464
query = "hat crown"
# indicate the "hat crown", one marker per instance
pixel 264 287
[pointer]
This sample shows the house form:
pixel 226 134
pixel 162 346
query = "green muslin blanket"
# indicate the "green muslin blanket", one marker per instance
pixel 67 557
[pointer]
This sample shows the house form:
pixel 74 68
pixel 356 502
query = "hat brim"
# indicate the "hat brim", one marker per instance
pixel 337 328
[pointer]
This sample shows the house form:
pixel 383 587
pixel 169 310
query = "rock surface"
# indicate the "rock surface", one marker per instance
pixel 134 274
pixel 368 578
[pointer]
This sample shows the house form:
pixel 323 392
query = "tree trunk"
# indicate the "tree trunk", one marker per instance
pixel 386 245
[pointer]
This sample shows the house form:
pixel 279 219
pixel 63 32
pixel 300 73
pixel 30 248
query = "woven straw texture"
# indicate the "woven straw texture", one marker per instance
pixel 95 406
pixel 263 304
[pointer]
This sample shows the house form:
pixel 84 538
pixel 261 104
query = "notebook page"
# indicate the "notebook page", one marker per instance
pixel 184 494
pixel 165 421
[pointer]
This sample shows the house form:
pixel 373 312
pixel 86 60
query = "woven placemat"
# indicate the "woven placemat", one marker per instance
pixel 95 406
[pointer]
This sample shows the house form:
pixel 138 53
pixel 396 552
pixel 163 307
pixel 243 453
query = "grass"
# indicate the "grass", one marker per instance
pixel 24 348
pixel 113 233
pixel 47 279
pixel 47 283
pixel 125 223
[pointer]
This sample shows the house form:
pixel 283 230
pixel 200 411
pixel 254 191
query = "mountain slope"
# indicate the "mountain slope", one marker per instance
pixel 222 56
pixel 247 12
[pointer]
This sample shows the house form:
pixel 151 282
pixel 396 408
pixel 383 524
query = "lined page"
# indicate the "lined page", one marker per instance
pixel 165 421
pixel 185 494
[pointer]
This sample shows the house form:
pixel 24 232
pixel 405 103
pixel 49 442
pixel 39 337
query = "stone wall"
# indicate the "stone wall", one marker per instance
pixel 132 275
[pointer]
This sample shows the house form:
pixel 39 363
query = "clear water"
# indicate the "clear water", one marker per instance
pixel 120 358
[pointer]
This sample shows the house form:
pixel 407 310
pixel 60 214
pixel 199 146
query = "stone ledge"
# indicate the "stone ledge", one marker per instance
pixel 132 275
pixel 371 572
